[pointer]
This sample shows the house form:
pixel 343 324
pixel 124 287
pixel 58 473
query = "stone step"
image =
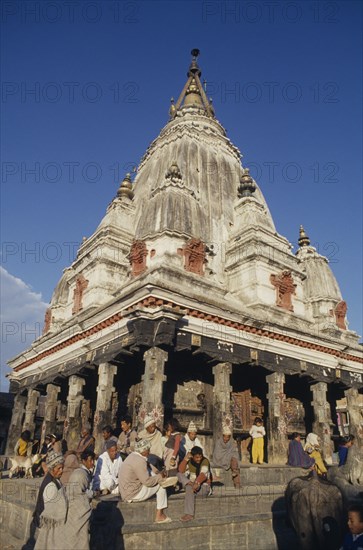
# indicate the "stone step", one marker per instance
pixel 251 517
pixel 261 531
pixel 256 475
pixel 223 502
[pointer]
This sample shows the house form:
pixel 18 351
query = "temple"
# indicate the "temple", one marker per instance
pixel 186 302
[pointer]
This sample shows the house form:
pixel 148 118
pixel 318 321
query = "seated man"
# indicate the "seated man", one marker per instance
pixel 225 455
pixel 154 437
pixel 136 483
pixel 189 441
pixel 107 436
pixel 127 438
pixel 194 475
pixel 105 479
pixel 86 442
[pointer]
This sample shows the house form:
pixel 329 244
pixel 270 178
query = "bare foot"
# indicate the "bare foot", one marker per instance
pixel 161 517
pixel 187 517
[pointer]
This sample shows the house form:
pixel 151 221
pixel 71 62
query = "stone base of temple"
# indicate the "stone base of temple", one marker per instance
pixel 253 516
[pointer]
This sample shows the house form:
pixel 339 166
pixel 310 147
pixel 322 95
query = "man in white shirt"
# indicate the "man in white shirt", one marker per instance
pixel 105 479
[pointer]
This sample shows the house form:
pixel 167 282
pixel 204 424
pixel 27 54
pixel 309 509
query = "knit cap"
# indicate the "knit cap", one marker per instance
pixel 142 445
pixel 53 459
pixel 192 427
pixel 148 421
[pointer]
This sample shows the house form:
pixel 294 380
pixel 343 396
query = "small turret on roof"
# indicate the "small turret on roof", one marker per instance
pixel 303 239
pixel 247 185
pixel 125 189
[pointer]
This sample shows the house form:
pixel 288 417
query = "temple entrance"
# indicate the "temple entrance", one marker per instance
pixel 248 400
pixel 299 413
pixel 128 388
pixel 188 391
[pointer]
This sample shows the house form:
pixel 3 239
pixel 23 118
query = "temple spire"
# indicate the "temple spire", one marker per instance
pixel 193 93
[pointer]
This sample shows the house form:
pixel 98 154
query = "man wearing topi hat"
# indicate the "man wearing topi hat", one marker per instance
pixel 51 508
pixel 153 436
pixel 225 455
pixel 136 483
pixel 189 441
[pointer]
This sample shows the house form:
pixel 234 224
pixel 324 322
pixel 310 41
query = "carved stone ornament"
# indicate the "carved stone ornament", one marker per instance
pixel 285 289
pixel 81 285
pixel 340 312
pixel 195 256
pixel 47 320
pixel 137 257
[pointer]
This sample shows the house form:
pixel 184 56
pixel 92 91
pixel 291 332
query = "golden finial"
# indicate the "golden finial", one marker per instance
pixel 304 239
pixel 211 108
pixel 247 186
pixel 172 109
pixel 125 189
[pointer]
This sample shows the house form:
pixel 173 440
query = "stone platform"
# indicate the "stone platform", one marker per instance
pixel 252 517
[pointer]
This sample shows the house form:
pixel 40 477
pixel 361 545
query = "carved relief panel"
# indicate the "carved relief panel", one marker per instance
pixel 285 289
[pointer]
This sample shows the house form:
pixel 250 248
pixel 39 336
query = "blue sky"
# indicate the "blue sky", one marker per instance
pixel 87 86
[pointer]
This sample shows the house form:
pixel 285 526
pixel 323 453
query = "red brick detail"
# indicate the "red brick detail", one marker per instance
pixel 47 320
pixel 285 289
pixel 80 336
pixel 81 285
pixel 151 301
pixel 137 257
pixel 340 312
pixel 194 256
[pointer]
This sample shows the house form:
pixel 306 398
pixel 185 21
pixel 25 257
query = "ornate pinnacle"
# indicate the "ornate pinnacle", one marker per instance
pixel 125 189
pixel 247 186
pixel 172 109
pixel 194 68
pixel 304 239
pixel 193 93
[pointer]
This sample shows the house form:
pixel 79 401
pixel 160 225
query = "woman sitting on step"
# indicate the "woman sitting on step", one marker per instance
pixel 297 456
pixel 312 447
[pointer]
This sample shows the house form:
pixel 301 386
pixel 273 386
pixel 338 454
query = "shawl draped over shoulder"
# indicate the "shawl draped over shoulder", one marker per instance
pixel 79 512
pixel 297 455
pixel 53 518
pixel 224 452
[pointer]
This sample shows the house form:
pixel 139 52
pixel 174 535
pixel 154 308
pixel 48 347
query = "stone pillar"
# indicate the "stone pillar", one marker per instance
pixel 221 398
pixel 51 405
pixel 103 414
pixel 152 387
pixel 16 423
pixel 322 420
pixel 73 422
pixel 355 415
pixel 30 410
pixel 277 442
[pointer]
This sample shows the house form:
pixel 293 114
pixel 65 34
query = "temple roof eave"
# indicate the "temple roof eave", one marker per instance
pixel 106 331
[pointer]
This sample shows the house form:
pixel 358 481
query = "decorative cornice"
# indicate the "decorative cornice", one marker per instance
pixel 80 336
pixel 153 302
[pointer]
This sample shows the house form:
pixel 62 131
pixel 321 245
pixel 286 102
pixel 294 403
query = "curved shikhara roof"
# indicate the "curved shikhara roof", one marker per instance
pixel 201 202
